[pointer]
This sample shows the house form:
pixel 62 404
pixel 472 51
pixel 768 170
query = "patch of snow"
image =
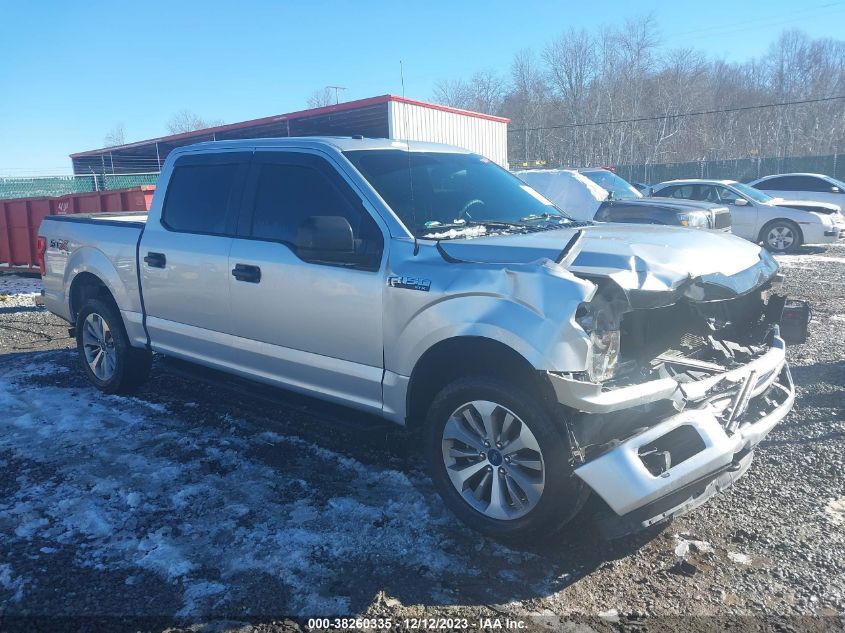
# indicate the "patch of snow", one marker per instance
pixel 470 231
pixel 16 291
pixel 10 583
pixel 685 545
pixel 835 511
pixel 135 490
pixel 739 559
pixel 611 615
pixel 838 317
pixel 792 260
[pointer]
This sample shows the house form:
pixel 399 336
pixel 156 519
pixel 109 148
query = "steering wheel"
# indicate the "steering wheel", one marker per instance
pixel 465 210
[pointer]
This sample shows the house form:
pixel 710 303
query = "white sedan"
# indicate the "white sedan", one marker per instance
pixel 781 225
pixel 815 187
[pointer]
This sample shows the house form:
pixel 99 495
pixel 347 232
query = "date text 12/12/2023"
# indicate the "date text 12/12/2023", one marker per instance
pixel 424 624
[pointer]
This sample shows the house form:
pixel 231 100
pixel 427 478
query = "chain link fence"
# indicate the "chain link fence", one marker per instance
pixel 741 169
pixel 38 187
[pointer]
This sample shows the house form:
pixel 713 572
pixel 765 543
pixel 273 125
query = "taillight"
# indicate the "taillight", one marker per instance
pixel 41 248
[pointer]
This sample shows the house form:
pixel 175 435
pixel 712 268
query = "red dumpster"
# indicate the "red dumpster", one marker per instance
pixel 21 217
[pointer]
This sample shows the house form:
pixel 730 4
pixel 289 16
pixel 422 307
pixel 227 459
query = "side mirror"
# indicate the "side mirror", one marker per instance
pixel 741 202
pixel 835 189
pixel 325 238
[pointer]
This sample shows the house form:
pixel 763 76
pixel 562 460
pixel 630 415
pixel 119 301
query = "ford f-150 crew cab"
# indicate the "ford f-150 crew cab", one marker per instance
pixel 537 359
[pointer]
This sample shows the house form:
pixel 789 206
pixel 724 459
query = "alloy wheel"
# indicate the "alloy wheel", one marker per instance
pixel 780 237
pixel 98 345
pixel 493 460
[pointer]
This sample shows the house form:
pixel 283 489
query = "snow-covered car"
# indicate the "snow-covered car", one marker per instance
pixel 780 225
pixel 815 187
pixel 535 358
pixel 599 194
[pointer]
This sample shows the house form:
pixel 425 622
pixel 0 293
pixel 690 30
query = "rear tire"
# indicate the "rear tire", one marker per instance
pixel 517 486
pixel 781 236
pixel 106 357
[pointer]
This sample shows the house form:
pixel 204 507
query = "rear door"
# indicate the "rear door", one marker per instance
pixel 184 263
pixel 309 325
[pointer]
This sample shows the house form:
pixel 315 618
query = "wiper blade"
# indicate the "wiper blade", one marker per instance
pixel 545 216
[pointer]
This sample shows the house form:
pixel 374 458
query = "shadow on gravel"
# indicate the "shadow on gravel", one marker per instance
pixel 198 501
pixel 805 250
pixel 809 375
pixel 19 309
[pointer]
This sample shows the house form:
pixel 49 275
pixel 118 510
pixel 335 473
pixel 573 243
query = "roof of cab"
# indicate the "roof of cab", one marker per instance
pixel 338 143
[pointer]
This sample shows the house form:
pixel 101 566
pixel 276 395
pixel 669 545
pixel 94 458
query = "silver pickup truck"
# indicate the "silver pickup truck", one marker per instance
pixel 535 359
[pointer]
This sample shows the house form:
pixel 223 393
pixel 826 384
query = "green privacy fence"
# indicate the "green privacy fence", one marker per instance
pixel 742 169
pixel 37 187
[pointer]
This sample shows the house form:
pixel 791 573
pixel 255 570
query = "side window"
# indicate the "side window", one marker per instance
pixel 707 193
pixel 684 192
pixel 812 183
pixel 795 183
pixel 292 199
pixel 727 196
pixel 773 184
pixel 198 198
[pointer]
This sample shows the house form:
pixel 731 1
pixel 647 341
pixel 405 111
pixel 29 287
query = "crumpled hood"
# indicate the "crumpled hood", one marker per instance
pixel 806 205
pixel 641 259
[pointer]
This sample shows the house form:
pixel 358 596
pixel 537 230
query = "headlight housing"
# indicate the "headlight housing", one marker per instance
pixel 694 219
pixel 605 345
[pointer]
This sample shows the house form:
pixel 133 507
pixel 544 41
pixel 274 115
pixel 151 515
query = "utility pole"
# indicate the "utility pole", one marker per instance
pixel 337 90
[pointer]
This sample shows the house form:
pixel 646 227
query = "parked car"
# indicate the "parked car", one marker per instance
pixel 815 187
pixel 599 194
pixel 781 225
pixel 536 358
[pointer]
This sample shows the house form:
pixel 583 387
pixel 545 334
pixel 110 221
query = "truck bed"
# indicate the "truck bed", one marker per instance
pixel 103 244
pixel 116 217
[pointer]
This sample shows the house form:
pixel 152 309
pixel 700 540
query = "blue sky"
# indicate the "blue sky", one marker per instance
pixel 70 71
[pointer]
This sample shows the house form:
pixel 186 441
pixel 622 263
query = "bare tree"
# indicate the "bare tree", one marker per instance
pixel 483 92
pixel 613 96
pixel 322 98
pixel 115 136
pixel 188 121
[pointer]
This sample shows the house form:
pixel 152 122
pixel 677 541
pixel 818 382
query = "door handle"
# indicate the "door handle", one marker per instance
pixel 245 272
pixel 155 260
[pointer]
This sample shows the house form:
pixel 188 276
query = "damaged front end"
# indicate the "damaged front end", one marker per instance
pixel 684 380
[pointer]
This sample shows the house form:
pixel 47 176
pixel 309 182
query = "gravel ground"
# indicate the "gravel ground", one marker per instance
pixel 188 505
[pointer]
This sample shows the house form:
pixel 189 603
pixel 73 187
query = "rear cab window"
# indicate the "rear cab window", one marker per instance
pixel 203 192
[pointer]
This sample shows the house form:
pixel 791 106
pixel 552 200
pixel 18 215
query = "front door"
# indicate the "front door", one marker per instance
pixel 743 216
pixel 299 321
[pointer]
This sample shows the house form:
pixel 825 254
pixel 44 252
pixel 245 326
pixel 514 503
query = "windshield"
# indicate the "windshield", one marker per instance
pixel 751 192
pixel 432 191
pixel 618 187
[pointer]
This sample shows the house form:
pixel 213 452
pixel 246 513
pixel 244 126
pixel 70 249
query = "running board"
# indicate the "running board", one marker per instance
pixel 334 414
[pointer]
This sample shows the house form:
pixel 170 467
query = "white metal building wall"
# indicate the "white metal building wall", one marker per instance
pixel 417 123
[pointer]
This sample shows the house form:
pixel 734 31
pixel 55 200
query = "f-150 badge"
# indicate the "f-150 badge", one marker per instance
pixel 409 283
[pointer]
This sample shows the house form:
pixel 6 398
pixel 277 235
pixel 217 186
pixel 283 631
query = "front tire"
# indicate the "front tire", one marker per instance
pixel 106 357
pixel 500 461
pixel 781 236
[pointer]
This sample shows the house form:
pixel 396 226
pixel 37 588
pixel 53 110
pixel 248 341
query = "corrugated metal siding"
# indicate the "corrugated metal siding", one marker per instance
pixel 482 136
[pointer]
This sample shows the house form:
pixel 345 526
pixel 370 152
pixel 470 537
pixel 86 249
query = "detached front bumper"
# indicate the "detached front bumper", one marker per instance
pixel 682 460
